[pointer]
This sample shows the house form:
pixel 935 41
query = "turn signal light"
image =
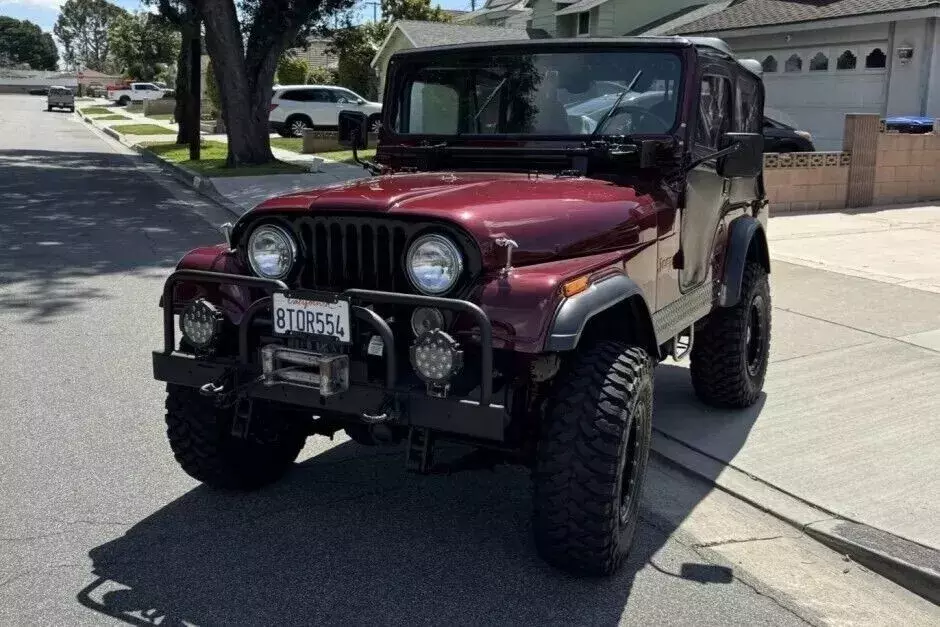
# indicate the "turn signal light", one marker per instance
pixel 575 286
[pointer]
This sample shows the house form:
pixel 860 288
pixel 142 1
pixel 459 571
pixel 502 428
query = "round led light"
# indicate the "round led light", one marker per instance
pixel 200 323
pixel 426 319
pixel 434 264
pixel 271 252
pixel 436 356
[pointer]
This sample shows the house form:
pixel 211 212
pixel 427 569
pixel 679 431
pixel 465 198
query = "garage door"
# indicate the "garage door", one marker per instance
pixel 817 87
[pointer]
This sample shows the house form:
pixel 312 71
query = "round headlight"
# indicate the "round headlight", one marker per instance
pixel 434 264
pixel 271 252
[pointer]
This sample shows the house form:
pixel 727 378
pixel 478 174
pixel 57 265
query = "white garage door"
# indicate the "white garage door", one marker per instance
pixel 817 87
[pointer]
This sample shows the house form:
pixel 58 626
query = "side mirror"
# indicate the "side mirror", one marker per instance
pixel 747 160
pixel 360 101
pixel 353 130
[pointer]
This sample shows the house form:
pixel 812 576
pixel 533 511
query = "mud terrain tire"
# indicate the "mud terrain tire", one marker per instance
pixel 592 458
pixel 731 348
pixel 201 437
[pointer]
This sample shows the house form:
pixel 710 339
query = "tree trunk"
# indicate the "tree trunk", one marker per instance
pixel 245 101
pixel 183 97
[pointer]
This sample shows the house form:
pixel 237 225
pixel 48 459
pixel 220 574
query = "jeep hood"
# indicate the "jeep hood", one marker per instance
pixel 549 217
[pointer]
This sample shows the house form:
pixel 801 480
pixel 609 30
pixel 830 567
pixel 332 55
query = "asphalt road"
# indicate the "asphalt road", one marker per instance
pixel 98 525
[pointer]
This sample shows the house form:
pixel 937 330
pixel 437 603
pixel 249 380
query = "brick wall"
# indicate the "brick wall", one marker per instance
pixel 806 181
pixel 908 168
pixel 875 168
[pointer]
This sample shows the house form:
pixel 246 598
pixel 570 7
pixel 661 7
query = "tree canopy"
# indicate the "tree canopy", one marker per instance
pixel 24 43
pixel 142 44
pixel 82 29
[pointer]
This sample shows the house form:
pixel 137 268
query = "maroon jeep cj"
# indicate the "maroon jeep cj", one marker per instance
pixel 545 221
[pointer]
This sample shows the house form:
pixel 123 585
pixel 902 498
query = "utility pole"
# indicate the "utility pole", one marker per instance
pixel 375 10
pixel 195 92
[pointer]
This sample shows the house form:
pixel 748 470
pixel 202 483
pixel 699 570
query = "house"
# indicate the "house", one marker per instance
pixel 315 54
pixel 406 34
pixel 508 13
pixel 603 18
pixel 826 58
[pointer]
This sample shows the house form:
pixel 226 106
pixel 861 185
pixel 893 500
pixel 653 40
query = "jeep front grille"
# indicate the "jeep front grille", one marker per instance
pixel 349 252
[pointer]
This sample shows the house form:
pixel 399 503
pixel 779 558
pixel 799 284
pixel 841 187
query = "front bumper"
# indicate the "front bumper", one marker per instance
pixel 475 415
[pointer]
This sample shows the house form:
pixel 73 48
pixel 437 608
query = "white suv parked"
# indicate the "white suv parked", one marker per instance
pixel 298 107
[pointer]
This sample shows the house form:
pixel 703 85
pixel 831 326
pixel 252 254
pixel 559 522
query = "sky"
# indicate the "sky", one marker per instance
pixel 44 12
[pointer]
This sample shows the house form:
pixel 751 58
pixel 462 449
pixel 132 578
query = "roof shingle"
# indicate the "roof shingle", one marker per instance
pixel 424 34
pixel 753 13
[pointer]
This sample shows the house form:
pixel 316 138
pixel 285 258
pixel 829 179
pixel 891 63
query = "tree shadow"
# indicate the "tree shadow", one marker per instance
pixel 349 535
pixel 66 217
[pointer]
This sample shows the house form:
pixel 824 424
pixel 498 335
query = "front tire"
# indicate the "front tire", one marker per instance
pixel 296 125
pixel 200 435
pixel 592 458
pixel 730 353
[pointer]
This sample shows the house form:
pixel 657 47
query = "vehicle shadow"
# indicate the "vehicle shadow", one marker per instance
pixel 66 217
pixel 348 535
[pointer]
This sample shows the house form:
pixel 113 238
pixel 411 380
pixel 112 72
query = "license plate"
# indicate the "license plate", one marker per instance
pixel 311 317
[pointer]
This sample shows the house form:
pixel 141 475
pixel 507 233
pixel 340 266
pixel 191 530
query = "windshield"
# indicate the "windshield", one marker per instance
pixel 560 93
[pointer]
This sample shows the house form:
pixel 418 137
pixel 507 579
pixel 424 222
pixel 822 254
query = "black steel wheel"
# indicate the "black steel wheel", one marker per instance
pixel 731 350
pixel 591 461
pixel 200 435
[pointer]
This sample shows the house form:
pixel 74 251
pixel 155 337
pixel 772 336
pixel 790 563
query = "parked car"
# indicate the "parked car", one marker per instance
pixel 495 286
pixel 60 98
pixel 295 108
pixel 781 133
pixel 909 124
pixel 135 91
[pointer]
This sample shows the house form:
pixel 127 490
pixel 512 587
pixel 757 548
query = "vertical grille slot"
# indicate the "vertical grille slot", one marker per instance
pixel 343 253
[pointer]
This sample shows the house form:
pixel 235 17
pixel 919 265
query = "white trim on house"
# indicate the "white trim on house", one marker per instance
pixel 395 27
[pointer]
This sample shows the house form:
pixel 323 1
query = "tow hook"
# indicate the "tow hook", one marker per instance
pixel 388 412
pixel 214 388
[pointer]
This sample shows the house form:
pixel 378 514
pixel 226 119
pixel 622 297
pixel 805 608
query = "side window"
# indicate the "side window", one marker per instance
pixel 714 114
pixel 345 96
pixel 294 96
pixel 747 105
pixel 320 95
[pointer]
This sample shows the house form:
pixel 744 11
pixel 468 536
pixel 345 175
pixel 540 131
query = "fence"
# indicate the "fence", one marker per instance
pixel 876 167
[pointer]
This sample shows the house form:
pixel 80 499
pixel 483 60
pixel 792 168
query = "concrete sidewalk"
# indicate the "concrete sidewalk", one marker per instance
pixel 850 422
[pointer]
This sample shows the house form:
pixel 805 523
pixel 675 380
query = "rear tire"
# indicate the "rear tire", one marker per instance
pixel 123 101
pixel 296 125
pixel 592 458
pixel 730 353
pixel 201 437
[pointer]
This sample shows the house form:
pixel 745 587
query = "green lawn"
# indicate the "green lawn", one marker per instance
pixel 96 110
pixel 116 116
pixel 346 156
pixel 294 144
pixel 212 162
pixel 143 129
pixel 161 116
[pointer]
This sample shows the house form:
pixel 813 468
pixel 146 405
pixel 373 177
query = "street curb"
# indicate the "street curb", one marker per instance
pixel 907 563
pixel 199 184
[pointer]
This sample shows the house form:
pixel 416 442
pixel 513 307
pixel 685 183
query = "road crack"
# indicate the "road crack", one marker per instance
pixel 708 545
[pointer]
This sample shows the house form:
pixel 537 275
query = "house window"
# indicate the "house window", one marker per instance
pixel 769 64
pixel 846 61
pixel 584 23
pixel 876 59
pixel 793 64
pixel 819 63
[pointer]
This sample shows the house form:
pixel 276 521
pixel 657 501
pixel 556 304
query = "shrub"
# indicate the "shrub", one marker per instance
pixel 292 70
pixel 322 76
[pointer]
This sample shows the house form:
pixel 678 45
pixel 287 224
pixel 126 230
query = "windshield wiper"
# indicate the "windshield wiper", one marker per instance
pixel 487 102
pixel 610 112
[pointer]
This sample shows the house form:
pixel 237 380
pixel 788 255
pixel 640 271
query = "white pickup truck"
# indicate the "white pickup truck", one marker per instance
pixel 135 91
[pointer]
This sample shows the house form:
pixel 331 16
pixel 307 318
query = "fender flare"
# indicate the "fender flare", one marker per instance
pixel 744 232
pixel 573 314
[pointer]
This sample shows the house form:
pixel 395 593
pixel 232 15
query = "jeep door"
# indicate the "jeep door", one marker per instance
pixel 706 193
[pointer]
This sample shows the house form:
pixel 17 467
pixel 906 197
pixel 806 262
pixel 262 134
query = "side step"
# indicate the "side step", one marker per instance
pixel 682 343
pixel 419 451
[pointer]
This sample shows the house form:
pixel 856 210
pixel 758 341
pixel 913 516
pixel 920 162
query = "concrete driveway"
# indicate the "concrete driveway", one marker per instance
pixel 851 417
